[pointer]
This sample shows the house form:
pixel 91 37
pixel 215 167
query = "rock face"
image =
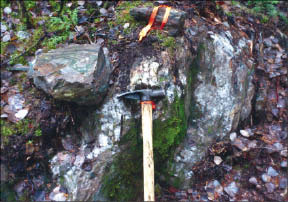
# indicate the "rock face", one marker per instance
pixel 76 73
pixel 222 96
pixel 208 94
pixel 174 25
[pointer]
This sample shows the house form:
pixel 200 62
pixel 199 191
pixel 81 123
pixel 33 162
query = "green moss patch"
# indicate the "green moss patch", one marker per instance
pixel 22 127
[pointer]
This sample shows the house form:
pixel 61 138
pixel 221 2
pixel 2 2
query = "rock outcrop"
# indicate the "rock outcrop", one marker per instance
pixel 76 73
pixel 208 94
pixel 221 95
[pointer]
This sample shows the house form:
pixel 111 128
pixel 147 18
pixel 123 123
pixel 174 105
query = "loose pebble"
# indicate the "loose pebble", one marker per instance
pixel 245 133
pixel 103 11
pixel 270 187
pixel 7 10
pixel 217 160
pixel 231 189
pixel 6 38
pixel 126 25
pixel 272 172
pixel 253 180
pixel 233 136
pixel 283 164
pixel 265 177
pixel 3 28
pixel 284 153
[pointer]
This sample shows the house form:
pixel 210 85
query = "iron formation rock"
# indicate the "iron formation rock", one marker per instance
pixel 76 73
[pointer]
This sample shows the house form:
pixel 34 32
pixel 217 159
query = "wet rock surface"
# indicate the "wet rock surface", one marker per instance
pixel 76 73
pixel 221 97
pixel 245 157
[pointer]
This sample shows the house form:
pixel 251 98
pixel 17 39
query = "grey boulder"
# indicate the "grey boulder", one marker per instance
pixel 76 73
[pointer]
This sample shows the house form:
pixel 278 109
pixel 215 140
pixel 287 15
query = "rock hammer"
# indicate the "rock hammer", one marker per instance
pixel 146 96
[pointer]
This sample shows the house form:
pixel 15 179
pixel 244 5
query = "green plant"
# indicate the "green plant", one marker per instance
pixel 8 129
pixel 61 26
pixel 123 16
pixel 38 132
pixel 266 9
pixel 165 41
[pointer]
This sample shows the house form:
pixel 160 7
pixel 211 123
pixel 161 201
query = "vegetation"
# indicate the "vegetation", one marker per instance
pixel 267 9
pixel 123 16
pixel 166 41
pixel 22 127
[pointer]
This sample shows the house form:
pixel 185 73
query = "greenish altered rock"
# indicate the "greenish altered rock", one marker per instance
pixel 76 73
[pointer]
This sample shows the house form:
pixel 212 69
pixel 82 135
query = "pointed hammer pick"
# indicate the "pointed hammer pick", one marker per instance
pixel 146 96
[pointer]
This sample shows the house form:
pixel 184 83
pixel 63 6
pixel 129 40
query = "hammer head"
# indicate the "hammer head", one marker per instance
pixel 143 95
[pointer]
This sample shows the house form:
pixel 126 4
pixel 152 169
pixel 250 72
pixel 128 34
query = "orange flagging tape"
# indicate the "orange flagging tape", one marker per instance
pixel 146 29
pixel 149 102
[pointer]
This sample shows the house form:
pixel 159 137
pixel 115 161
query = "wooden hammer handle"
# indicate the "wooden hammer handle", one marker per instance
pixel 148 162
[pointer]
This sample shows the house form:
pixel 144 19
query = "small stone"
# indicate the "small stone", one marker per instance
pixel 217 160
pixel 284 153
pixel 3 28
pixel 272 172
pixel 81 3
pixel 253 180
pixel 239 144
pixel 231 189
pixel 23 35
pixel 99 3
pixel 69 4
pixel 245 133
pixel 278 146
pixel 265 177
pixel 226 24
pixel 283 164
pixel 126 25
pixel 283 183
pixel 21 114
pixel 252 144
pixel 6 38
pixel 233 136
pixel 7 10
pixel 267 42
pixel 103 11
pixel 270 187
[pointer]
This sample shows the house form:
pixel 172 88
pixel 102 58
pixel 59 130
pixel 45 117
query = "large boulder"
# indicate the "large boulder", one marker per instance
pixel 76 73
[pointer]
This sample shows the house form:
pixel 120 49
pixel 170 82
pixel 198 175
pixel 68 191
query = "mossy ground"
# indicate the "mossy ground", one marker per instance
pixel 22 127
pixel 124 179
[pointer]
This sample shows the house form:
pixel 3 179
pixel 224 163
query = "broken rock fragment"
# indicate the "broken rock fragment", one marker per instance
pixel 174 24
pixel 76 73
